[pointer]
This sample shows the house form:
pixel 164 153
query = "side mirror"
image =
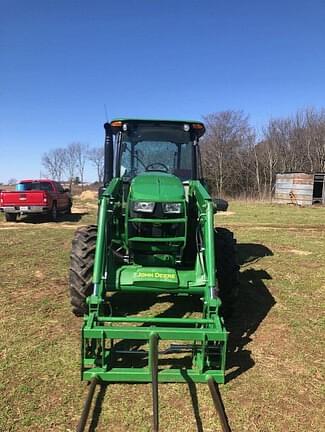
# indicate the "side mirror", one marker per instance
pixel 67 190
pixel 220 204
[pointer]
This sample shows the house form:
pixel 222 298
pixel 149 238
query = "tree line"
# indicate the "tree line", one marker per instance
pixel 70 162
pixel 236 160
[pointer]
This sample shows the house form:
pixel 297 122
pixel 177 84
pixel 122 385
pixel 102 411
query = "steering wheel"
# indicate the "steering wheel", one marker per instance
pixel 165 167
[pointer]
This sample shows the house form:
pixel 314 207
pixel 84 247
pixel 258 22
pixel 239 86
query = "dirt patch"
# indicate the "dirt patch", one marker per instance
pixel 227 213
pixel 26 226
pixel 78 210
pixel 294 227
pixel 289 250
pixel 88 195
pixel 39 274
pixel 299 252
pixel 92 205
pixel 7 228
pixel 74 226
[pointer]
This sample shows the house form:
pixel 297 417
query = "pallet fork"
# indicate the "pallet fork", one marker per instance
pixel 154 375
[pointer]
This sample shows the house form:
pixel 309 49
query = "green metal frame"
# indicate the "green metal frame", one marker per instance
pixel 100 330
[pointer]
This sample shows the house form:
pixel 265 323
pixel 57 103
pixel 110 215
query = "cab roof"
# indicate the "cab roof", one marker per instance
pixel 198 126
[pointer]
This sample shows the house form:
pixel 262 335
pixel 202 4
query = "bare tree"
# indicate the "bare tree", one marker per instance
pixel 96 156
pixel 298 141
pixel 315 124
pixel 81 158
pixel 54 162
pixel 227 139
pixel 71 161
pixel 257 171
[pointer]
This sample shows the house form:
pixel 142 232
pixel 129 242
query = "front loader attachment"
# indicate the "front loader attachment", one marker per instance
pixel 105 338
pixel 155 349
pixel 143 350
pixel 206 336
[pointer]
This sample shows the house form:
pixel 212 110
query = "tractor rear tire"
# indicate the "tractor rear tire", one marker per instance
pixel 81 268
pixel 227 269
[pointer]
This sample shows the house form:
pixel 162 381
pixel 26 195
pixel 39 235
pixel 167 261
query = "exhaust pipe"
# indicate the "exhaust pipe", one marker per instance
pixel 108 154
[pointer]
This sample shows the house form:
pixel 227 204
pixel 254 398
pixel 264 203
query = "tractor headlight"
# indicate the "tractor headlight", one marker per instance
pixel 172 208
pixel 143 206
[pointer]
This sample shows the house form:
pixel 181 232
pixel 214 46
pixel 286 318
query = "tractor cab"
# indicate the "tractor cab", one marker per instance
pixel 155 161
pixel 152 149
pixel 144 146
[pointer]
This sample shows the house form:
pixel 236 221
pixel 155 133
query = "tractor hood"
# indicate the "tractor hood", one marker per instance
pixel 158 187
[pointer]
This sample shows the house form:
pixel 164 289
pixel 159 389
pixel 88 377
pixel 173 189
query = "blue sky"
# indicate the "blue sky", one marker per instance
pixel 62 60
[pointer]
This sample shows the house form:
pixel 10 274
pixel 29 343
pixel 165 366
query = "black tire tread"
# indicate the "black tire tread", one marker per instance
pixel 54 216
pixel 81 267
pixel 11 217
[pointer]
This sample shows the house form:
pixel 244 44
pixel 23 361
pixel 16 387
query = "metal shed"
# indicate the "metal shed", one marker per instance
pixel 300 188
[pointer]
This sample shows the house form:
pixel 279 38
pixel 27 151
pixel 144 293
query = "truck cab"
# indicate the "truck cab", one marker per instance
pixel 35 197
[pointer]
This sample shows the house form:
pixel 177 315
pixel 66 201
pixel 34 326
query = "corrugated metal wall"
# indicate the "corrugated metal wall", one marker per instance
pixel 295 188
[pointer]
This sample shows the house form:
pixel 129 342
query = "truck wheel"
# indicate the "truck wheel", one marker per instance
pixel 11 217
pixel 54 213
pixel 81 268
pixel 227 269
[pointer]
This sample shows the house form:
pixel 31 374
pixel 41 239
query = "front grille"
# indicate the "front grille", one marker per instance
pixel 168 226
pixel 163 230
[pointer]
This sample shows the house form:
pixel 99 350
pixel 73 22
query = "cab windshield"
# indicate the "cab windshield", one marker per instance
pixel 151 147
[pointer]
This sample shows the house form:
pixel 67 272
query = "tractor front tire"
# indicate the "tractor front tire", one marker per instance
pixel 227 269
pixel 81 268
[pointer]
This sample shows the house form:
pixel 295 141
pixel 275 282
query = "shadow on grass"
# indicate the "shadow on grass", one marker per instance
pixel 39 219
pixel 250 253
pixel 97 410
pixel 179 307
pixel 254 303
pixel 124 304
pixel 195 401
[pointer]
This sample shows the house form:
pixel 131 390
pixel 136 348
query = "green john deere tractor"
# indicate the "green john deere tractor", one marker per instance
pixel 154 234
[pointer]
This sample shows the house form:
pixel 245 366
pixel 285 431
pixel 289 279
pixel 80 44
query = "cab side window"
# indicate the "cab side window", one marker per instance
pixel 59 187
pixel 46 187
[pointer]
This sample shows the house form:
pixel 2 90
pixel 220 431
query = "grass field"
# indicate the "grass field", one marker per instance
pixel 275 362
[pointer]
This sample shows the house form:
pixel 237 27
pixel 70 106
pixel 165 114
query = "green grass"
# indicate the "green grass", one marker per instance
pixel 259 213
pixel 276 350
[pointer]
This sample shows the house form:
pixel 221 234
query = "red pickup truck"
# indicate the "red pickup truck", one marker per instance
pixel 35 197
